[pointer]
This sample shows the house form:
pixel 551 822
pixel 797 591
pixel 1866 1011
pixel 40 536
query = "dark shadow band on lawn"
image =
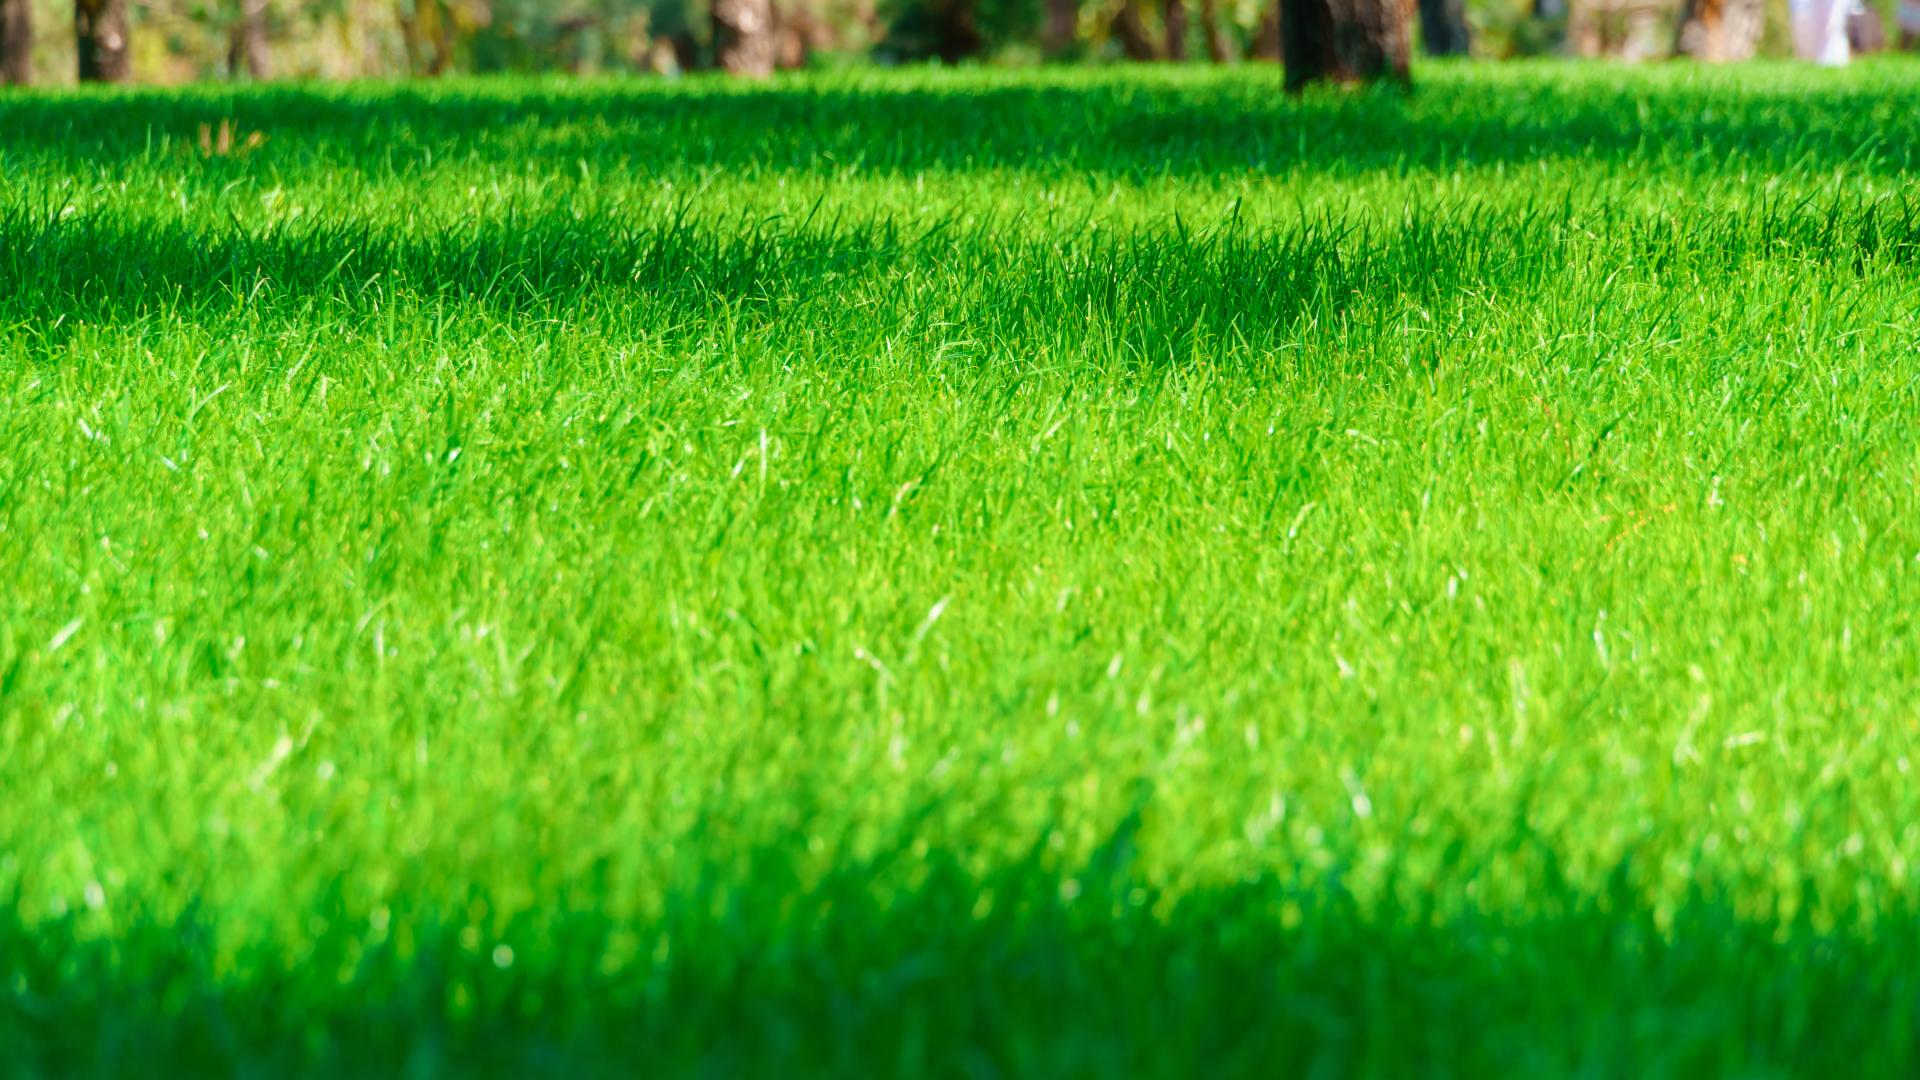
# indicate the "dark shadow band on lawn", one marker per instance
pixel 1155 291
pixel 1026 971
pixel 1158 292
pixel 1119 128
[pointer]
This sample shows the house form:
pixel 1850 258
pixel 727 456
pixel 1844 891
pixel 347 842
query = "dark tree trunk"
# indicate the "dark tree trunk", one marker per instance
pixel 956 30
pixel 247 52
pixel 1343 41
pixel 16 42
pixel 1219 45
pixel 100 32
pixel 1443 27
pixel 1061 26
pixel 1132 34
pixel 743 37
pixel 1174 14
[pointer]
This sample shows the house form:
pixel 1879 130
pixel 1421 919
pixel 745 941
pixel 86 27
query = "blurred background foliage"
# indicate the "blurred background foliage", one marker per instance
pixel 185 40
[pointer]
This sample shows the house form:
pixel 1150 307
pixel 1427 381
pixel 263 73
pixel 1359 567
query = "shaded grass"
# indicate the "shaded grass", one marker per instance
pixel 1190 123
pixel 954 974
pixel 995 277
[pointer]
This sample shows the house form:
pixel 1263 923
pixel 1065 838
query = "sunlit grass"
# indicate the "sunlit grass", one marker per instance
pixel 963 572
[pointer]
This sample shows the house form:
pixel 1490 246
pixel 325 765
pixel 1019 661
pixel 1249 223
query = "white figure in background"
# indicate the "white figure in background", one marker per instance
pixel 1820 30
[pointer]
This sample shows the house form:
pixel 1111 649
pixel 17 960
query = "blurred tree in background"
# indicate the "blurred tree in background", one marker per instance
pixel 1444 29
pixel 1344 41
pixel 249 54
pixel 16 42
pixel 102 39
pixel 170 41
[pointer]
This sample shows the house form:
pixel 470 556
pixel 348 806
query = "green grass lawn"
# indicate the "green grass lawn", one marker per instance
pixel 970 573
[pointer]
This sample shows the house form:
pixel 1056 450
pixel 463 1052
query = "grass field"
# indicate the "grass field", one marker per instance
pixel 964 573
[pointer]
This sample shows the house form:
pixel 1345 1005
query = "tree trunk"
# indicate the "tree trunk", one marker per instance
pixel 440 39
pixel 100 32
pixel 1219 45
pixel 1132 34
pixel 16 42
pixel 1443 27
pixel 1343 41
pixel 247 52
pixel 1061 26
pixel 1174 14
pixel 956 30
pixel 1718 31
pixel 743 37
